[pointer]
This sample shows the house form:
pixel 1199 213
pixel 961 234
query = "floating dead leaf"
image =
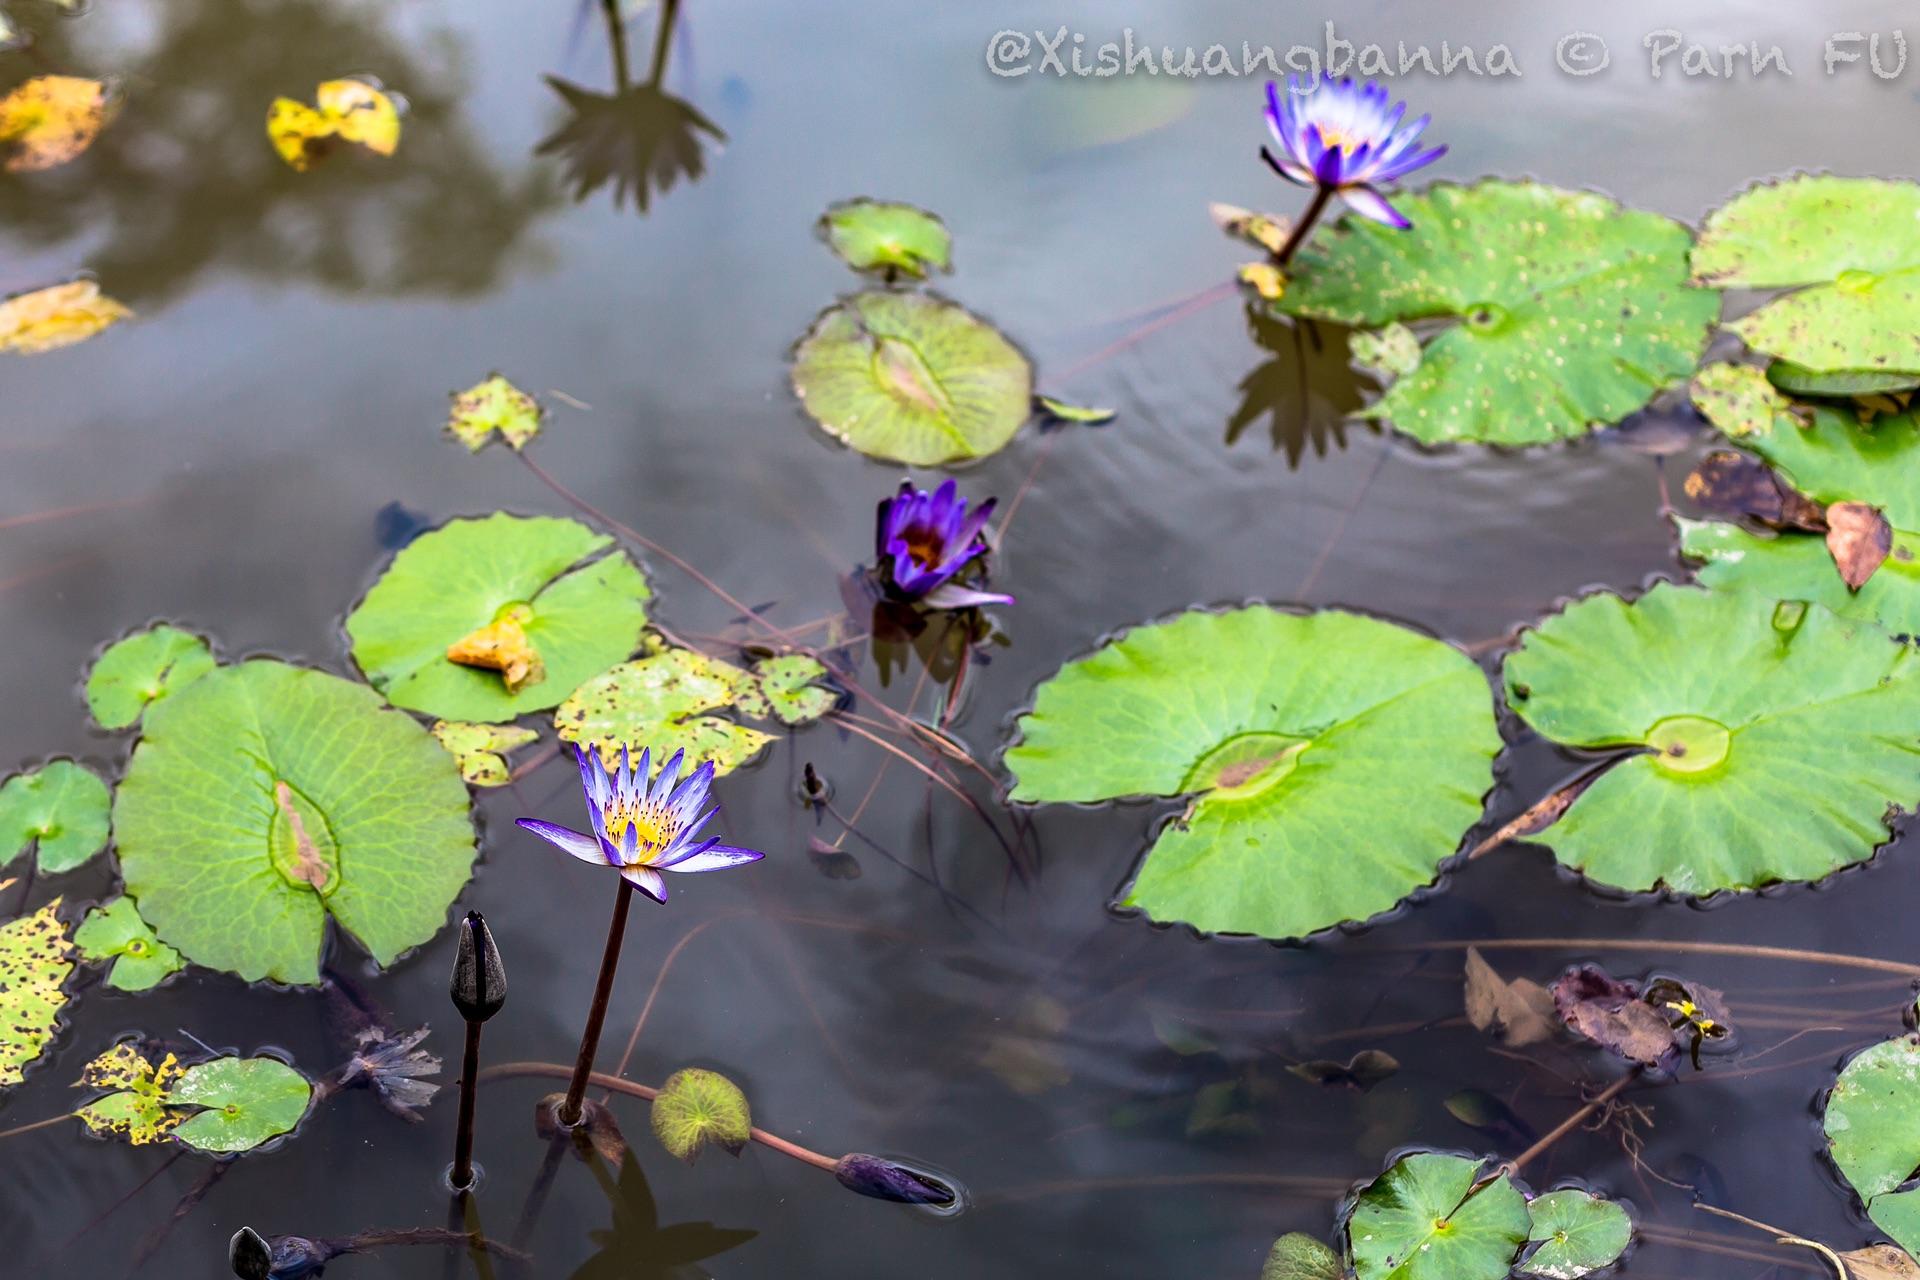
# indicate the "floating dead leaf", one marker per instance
pixel 834 864
pixel 51 119
pixel 351 111
pixel 57 316
pixel 1519 1012
pixel 1609 1012
pixel 1265 279
pixel 1735 485
pixel 502 646
pixel 1263 230
pixel 490 406
pixel 1363 1071
pixel 1859 538
pixel 1881 1262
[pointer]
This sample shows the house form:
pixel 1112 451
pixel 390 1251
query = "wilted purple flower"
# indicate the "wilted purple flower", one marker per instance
pixel 1343 137
pixel 925 539
pixel 643 829
pixel 885 1180
pixel 391 1065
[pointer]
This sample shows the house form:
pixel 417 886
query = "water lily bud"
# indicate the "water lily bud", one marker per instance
pixel 249 1256
pixel 479 985
pixel 885 1180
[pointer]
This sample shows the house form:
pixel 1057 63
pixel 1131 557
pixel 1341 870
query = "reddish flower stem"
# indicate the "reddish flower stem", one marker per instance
pixel 597 1015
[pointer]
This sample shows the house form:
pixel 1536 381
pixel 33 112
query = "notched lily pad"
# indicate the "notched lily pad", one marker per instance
pixel 36 958
pixel 695 1107
pixel 115 932
pixel 1286 729
pixel 878 235
pixel 1872 1123
pixel 481 749
pixel 912 378
pixel 242 1103
pixel 1578 1233
pixel 495 405
pixel 786 689
pixel 136 1106
pixel 57 316
pixel 1423 1219
pixel 1298 1256
pixel 140 670
pixel 661 702
pixel 61 809
pixel 50 120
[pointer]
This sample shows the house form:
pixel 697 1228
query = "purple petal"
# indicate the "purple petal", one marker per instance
pixel 1326 169
pixel 715 858
pixel 954 596
pixel 585 848
pixel 647 881
pixel 1370 204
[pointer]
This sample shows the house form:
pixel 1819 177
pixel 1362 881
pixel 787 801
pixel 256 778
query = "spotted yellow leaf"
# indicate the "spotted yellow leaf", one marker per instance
pixel 36 958
pixel 349 111
pixel 57 316
pixel 137 1109
pixel 51 119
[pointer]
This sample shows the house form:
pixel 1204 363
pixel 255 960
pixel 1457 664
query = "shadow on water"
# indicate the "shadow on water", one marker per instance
pixel 636 1246
pixel 1305 390
pixel 173 190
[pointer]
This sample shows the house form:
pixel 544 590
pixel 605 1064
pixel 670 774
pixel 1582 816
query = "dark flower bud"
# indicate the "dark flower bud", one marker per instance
pixel 479 984
pixel 885 1180
pixel 249 1256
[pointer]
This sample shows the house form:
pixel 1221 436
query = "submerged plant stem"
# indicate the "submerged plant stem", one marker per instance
pixel 1783 1237
pixel 597 1015
pixel 1746 951
pixel 1568 1125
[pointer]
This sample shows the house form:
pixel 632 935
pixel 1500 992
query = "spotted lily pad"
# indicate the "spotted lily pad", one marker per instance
pixel 784 689
pixel 265 797
pixel 696 1107
pixel 114 931
pixel 1288 731
pixel 480 749
pixel 1570 311
pixel 1738 399
pixel 244 1102
pixel 1771 738
pixel 878 235
pixel 577 602
pixel 662 702
pixel 61 808
pixel 1578 1233
pixel 1423 1219
pixel 1873 1133
pixel 912 378
pixel 1799 380
pixel 136 1108
pixel 1298 1256
pixel 142 669
pixel 36 958
pixel 495 405
pixel 1855 244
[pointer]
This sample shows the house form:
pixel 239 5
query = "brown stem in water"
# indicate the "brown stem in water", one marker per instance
pixel 463 1140
pixel 1745 951
pixel 1561 1130
pixel 195 1194
pixel 597 1015
pixel 1783 1237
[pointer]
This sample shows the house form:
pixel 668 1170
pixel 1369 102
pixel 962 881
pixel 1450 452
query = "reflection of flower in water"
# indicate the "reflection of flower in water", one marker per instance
pixel 641 139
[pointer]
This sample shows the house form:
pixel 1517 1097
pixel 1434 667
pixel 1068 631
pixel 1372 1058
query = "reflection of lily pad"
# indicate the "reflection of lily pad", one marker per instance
pixel 1423 1220
pixel 912 378
pixel 247 1101
pixel 1855 241
pixel 696 1107
pixel 1291 731
pixel 114 931
pixel 1777 736
pixel 1873 1133
pixel 140 670
pixel 447 585
pixel 62 808
pixel 877 235
pixel 659 702
pixel 136 1109
pixel 1572 312
pixel 1578 1233
pixel 264 798
pixel 35 959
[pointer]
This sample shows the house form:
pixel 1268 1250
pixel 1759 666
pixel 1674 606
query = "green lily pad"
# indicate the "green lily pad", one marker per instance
pixel 36 958
pixel 1572 312
pixel 140 670
pixel 137 1109
pixel 490 406
pixel 696 1107
pixel 580 615
pixel 660 702
pixel 1061 411
pixel 912 378
pixel 1298 1256
pixel 876 235
pixel 1799 380
pixel 1578 1234
pixel 265 797
pixel 1854 241
pixel 62 809
pixel 1738 399
pixel 247 1101
pixel 480 749
pixel 1422 1220
pixel 1288 730
pixel 1873 1133
pixel 1777 736
pixel 1798 566
pixel 114 931
pixel 784 690
pixel 1394 349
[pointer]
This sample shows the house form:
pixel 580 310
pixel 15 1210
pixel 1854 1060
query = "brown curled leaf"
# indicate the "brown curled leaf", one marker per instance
pixel 1859 538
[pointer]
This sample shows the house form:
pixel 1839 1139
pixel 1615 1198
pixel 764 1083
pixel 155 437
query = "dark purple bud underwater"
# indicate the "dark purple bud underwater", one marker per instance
pixel 885 1180
pixel 479 985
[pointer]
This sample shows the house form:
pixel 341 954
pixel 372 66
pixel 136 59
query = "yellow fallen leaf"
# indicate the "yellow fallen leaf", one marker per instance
pixel 502 646
pixel 57 316
pixel 1266 279
pixel 297 131
pixel 51 119
pixel 349 111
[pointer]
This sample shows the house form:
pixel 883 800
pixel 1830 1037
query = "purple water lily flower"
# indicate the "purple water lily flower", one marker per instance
pixel 1345 138
pixel 925 539
pixel 644 828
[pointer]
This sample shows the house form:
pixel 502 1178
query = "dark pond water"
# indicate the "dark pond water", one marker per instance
pixel 222 463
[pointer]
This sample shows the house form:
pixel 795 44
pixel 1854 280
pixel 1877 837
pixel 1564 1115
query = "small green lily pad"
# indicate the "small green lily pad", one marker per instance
pixel 1799 567
pixel 1061 411
pixel 1775 736
pixel 1872 1124
pixel 266 797
pixel 580 602
pixel 1578 1233
pixel 695 1107
pixel 114 931
pixel 660 702
pixel 136 1109
pixel 36 959
pixel 143 668
pixel 1738 399
pixel 786 686
pixel 1854 241
pixel 1393 350
pixel 62 809
pixel 912 378
pixel 877 235
pixel 480 749
pixel 490 406
pixel 247 1101
pixel 1571 311
pixel 1287 729
pixel 1298 1256
pixel 1423 1220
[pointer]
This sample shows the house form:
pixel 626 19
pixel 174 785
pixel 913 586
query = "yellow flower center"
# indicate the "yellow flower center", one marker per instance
pixel 653 829
pixel 1331 137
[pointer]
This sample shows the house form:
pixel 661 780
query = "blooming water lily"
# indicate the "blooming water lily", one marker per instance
pixel 925 540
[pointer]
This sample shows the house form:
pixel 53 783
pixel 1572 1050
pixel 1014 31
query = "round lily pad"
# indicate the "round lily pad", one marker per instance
pixel 1570 311
pixel 660 702
pixel 247 1101
pixel 1423 1220
pixel 877 235
pixel 695 1107
pixel 36 957
pixel 912 378
pixel 1298 1256
pixel 142 669
pixel 784 689
pixel 1774 736
pixel 1855 242
pixel 1579 1233
pixel 61 808
pixel 1873 1133
pixel 1287 730
pixel 265 797
pixel 578 603
pixel 114 931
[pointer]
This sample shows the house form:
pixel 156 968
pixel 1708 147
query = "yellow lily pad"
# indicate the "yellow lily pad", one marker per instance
pixel 494 405
pixel 480 749
pixel 351 111
pixel 51 119
pixel 137 1108
pixel 56 316
pixel 36 958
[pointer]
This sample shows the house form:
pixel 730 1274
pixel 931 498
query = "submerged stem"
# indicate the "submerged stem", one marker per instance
pixel 1783 1237
pixel 1567 1126
pixel 1742 950
pixel 597 1015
